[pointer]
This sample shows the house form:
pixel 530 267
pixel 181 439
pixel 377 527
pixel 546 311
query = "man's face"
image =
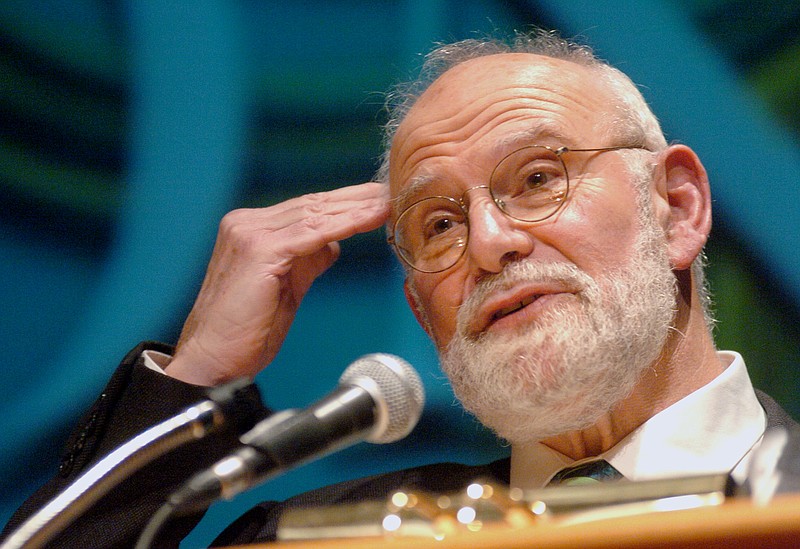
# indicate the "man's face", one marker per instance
pixel 562 272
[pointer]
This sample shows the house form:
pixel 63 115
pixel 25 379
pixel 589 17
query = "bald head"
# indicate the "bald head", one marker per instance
pixel 632 118
pixel 504 97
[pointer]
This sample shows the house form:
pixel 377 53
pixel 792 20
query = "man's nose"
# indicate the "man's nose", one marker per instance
pixel 494 238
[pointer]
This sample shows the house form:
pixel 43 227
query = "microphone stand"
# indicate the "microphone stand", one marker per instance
pixel 194 423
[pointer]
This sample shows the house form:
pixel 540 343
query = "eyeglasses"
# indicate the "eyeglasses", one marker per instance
pixel 530 184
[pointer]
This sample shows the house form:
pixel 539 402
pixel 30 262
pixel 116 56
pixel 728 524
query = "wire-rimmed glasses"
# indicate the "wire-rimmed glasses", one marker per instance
pixel 530 184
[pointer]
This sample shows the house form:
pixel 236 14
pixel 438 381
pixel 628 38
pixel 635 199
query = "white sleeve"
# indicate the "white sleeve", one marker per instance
pixel 156 361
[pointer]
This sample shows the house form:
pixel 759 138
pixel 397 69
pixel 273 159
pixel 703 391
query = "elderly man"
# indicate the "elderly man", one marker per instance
pixel 553 246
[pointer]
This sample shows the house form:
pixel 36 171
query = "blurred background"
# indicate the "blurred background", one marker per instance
pixel 128 128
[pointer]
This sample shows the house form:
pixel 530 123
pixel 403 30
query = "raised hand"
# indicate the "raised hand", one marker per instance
pixel 263 263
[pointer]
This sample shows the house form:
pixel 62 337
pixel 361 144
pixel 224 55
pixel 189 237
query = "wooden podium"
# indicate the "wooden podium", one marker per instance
pixel 737 523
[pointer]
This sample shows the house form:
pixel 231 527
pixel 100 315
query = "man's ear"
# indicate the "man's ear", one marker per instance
pixel 688 195
pixel 411 297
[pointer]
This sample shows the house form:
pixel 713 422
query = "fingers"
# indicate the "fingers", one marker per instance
pixel 306 269
pixel 354 193
pixel 305 225
pixel 330 216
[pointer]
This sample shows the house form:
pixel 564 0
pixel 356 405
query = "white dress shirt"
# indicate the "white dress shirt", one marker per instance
pixel 712 430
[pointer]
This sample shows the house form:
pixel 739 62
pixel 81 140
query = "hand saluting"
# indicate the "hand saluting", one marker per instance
pixel 263 263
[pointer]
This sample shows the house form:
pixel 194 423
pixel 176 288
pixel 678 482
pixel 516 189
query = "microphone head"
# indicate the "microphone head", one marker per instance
pixel 396 389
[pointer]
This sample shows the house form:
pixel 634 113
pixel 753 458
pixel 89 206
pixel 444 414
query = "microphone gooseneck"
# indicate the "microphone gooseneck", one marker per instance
pixel 229 407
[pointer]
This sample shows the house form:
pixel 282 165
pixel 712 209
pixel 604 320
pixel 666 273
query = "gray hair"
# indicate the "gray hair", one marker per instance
pixel 641 168
pixel 632 121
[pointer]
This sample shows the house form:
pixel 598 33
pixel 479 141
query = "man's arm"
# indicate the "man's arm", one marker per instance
pixel 134 399
pixel 263 263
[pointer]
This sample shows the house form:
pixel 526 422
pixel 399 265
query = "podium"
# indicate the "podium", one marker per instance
pixel 736 523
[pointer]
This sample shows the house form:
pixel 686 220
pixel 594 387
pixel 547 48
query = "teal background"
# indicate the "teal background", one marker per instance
pixel 128 128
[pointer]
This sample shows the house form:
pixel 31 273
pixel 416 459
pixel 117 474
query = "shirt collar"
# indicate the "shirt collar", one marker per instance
pixel 709 431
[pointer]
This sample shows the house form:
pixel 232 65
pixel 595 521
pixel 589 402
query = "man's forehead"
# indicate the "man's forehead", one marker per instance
pixel 535 133
pixel 493 77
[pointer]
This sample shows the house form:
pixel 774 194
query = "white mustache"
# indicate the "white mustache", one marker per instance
pixel 520 272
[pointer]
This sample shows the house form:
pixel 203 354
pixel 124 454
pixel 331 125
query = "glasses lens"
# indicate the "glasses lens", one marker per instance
pixel 530 184
pixel 431 234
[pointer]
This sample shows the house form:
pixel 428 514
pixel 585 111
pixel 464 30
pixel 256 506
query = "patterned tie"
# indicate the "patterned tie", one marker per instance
pixel 585 472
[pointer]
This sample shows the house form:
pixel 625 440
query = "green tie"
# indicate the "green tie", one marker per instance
pixel 586 472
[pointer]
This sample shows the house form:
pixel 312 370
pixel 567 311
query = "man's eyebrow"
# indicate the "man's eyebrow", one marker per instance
pixel 409 193
pixel 541 134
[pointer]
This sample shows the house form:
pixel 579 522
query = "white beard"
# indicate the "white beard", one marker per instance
pixel 576 361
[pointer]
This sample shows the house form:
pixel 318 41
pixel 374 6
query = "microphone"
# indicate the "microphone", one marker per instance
pixel 379 399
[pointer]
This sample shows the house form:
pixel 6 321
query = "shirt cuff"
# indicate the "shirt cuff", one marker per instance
pixel 156 361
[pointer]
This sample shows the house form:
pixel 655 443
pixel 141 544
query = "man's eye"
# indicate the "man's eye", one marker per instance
pixel 438 226
pixel 442 225
pixel 537 179
pixel 530 178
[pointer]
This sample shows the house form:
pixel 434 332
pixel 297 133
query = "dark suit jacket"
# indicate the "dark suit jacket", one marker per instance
pixel 137 398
